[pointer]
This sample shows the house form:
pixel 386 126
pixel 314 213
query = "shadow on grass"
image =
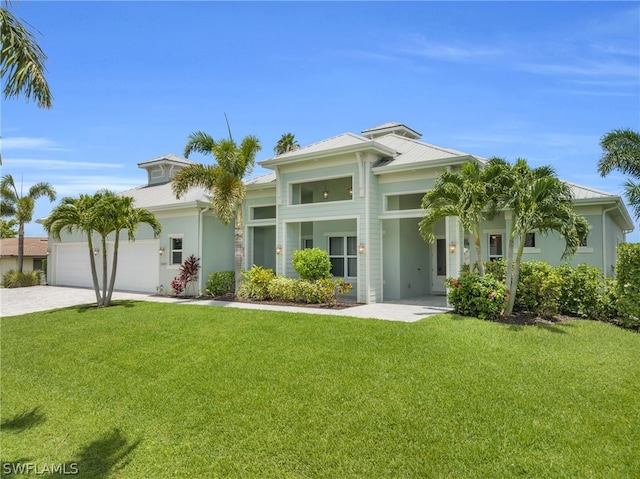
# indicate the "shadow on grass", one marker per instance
pixel 556 328
pixel 101 458
pixel 24 420
pixel 120 303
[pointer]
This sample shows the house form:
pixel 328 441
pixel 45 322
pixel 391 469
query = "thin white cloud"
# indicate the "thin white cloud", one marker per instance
pixel 75 185
pixel 418 45
pixel 43 164
pixel 29 143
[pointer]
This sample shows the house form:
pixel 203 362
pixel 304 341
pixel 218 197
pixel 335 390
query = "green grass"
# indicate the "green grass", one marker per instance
pixel 154 390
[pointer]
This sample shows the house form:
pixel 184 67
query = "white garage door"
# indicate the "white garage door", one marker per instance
pixel 138 266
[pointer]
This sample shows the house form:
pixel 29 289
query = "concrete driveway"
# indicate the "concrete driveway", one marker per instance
pixel 16 301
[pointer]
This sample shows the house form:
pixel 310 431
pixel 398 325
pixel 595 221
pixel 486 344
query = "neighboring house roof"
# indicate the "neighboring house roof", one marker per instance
pixel 33 247
pixel 158 196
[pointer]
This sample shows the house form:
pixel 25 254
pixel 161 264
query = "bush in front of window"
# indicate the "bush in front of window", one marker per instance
pixel 478 296
pixel 539 289
pixel 628 291
pixel 221 283
pixel 312 264
pixel 15 279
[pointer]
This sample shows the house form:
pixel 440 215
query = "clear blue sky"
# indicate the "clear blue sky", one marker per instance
pixel 131 80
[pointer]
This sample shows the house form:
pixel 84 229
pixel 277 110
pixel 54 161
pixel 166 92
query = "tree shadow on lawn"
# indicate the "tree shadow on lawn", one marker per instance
pixel 119 303
pixel 102 457
pixel 24 420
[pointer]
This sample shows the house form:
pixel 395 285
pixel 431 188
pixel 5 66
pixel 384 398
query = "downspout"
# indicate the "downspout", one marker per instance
pixel 200 244
pixel 604 240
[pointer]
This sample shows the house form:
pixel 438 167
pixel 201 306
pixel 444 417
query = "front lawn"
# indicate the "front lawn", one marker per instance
pixel 155 390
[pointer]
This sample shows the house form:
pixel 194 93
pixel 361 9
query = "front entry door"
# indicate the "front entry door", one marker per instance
pixel 439 266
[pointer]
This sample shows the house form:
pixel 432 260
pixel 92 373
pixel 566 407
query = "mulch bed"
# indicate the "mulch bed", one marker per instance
pixel 231 298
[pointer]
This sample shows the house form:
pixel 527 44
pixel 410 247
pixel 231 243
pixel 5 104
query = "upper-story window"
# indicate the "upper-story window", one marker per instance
pixel 408 201
pixel 322 191
pixel 263 212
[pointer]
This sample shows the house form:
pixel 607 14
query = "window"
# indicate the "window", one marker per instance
pixel 411 201
pixel 583 242
pixel 322 191
pixel 495 247
pixel 530 240
pixel 307 243
pixel 176 250
pixel 343 253
pixel 37 264
pixel 263 212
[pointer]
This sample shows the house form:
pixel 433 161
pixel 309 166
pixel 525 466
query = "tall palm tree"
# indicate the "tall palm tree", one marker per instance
pixel 74 214
pixel 223 179
pixel 465 195
pixel 621 151
pixel 538 201
pixel 22 61
pixel 104 213
pixel 21 207
pixel 286 143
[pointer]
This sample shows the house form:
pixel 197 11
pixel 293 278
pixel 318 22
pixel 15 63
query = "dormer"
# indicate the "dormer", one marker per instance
pixel 391 128
pixel 163 168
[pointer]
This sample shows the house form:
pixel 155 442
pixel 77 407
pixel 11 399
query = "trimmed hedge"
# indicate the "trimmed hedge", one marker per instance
pixel 221 283
pixel 628 288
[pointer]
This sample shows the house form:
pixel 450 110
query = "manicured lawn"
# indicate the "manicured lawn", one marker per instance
pixel 147 390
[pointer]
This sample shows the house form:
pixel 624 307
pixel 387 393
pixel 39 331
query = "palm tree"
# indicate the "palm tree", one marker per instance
pixel 118 213
pixel 223 179
pixel 465 195
pixel 104 213
pixel 21 207
pixel 22 62
pixel 286 143
pixel 621 151
pixel 538 201
pixel 74 214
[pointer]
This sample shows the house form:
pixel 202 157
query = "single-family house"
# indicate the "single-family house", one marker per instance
pixel 34 254
pixel 356 196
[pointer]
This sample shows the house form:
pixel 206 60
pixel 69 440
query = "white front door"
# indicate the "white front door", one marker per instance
pixel 439 266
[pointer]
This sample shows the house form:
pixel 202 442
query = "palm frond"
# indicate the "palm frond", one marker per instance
pixel 621 151
pixel 632 193
pixel 22 62
pixel 193 176
pixel 200 142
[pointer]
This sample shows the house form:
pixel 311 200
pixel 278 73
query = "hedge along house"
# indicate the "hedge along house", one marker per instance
pixel 358 197
pixel 188 227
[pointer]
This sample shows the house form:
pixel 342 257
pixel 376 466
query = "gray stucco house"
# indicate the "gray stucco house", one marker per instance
pixel 357 197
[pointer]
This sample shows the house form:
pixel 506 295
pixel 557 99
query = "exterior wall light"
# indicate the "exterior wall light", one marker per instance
pixel 452 247
pixel 161 250
pixel 278 249
pixel 361 248
pixel 96 251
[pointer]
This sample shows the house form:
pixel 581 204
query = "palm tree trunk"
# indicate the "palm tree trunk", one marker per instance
pixel 94 272
pixel 509 272
pixel 104 270
pixel 476 241
pixel 20 246
pixel 112 281
pixel 239 244
pixel 513 288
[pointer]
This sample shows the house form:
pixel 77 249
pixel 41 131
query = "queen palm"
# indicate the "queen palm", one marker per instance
pixel 538 201
pixel 286 143
pixel 223 179
pixel 71 215
pixel 465 195
pixel 22 62
pixel 21 206
pixel 621 151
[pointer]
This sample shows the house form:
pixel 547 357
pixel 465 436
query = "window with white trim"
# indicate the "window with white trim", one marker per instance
pixel 495 247
pixel 343 254
pixel 175 252
pixel 530 240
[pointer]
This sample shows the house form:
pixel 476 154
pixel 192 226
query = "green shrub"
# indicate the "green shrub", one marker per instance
pixel 477 296
pixel 628 290
pixel 312 264
pixel 255 283
pixel 580 290
pixel 15 279
pixel 284 289
pixel 539 289
pixel 221 283
pixel 496 268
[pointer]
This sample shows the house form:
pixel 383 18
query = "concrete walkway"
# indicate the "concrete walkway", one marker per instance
pixel 33 299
